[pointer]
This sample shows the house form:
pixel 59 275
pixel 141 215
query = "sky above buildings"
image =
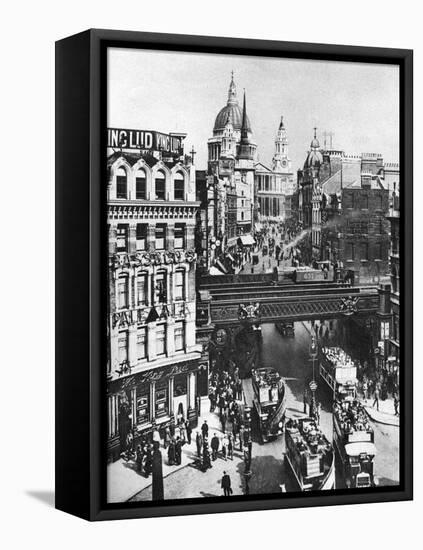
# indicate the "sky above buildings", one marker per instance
pixel 183 92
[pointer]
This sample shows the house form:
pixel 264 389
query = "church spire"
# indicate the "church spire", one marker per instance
pixel 245 150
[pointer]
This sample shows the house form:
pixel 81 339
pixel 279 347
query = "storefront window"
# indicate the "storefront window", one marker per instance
pixel 143 407
pixel 162 402
pixel 180 385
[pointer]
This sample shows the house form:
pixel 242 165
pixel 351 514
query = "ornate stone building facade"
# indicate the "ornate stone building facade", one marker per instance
pixel 343 201
pixel 152 356
pixel 275 186
pixel 231 153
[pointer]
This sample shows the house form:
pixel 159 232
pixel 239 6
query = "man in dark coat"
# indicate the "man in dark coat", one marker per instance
pixel 178 451
pixel 189 431
pixel 205 429
pixel 214 444
pixel 158 493
pixel 171 453
pixel 199 443
pixel 223 419
pixel 226 485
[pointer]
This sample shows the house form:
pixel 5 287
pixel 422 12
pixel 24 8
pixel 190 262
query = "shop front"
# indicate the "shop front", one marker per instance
pixel 160 397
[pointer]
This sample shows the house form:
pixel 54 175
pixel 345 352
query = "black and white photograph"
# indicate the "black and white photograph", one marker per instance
pixel 253 320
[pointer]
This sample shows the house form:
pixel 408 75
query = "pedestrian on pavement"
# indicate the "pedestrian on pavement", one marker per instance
pixel 396 404
pixel 156 435
pixel 205 429
pixel 224 446
pixel 139 459
pixel 376 399
pixel 167 437
pixel 206 455
pixel 214 446
pixel 365 389
pixel 178 451
pixel 226 485
pixel 148 461
pixel 223 419
pixel 241 437
pixel 230 447
pixel 199 443
pixel 171 455
pixel 188 431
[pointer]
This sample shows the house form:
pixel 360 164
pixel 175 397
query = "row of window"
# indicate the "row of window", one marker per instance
pixel 149 289
pixel 360 251
pixel 352 200
pixel 159 185
pixel 161 239
pixel 161 342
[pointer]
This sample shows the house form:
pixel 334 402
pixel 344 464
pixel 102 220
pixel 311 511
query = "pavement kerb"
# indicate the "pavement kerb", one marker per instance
pixel 381 420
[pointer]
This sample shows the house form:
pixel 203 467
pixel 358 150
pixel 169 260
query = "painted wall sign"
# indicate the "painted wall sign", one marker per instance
pixel 148 140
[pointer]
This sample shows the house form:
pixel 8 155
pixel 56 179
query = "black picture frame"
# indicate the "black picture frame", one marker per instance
pixel 80 274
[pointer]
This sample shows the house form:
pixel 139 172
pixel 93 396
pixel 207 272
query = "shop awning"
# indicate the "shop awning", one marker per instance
pixel 247 240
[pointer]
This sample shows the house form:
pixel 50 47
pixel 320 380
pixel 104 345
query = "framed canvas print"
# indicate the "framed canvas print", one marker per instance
pixel 234 274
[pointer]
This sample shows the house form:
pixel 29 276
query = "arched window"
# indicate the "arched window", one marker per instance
pixel 142 288
pixel 123 292
pixel 160 287
pixel 179 186
pixel 121 183
pixel 140 185
pixel 179 285
pixel 160 182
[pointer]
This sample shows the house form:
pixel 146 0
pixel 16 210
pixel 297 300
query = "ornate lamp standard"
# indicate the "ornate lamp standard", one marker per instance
pixel 313 383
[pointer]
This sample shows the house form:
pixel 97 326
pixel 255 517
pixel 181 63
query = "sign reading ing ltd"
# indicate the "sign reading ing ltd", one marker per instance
pixel 143 139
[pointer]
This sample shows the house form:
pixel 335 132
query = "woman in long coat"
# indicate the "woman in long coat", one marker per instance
pixel 171 453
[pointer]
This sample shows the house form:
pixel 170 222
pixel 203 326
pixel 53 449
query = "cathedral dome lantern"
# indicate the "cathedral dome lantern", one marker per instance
pixel 233 109
pixel 314 158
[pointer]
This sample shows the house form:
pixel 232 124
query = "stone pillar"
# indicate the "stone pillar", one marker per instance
pixel 170 337
pixel 134 406
pixel 132 238
pixel 152 400
pixel 170 237
pixel 151 237
pixel 192 390
pixel 189 333
pixel 171 408
pixel 114 350
pixel 132 345
pixel 112 238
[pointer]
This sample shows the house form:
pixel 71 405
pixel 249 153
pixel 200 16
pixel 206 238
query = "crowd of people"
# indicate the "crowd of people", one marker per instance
pixel 352 416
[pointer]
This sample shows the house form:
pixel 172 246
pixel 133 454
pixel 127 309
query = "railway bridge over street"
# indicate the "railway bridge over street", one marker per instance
pixel 228 299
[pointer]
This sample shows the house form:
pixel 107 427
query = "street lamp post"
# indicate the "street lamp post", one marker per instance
pixel 313 383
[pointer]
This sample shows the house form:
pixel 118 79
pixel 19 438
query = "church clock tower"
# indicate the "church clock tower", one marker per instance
pixel 281 162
